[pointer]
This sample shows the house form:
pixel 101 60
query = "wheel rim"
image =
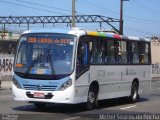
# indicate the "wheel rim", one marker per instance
pixel 91 97
pixel 135 94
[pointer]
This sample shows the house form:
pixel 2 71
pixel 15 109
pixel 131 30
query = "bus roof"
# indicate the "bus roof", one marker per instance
pixel 116 36
pixel 79 32
pixel 65 31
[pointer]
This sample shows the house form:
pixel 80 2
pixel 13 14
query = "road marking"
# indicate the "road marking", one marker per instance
pixel 71 118
pixel 128 107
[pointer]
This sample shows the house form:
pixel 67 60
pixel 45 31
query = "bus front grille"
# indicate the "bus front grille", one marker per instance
pixel 40 87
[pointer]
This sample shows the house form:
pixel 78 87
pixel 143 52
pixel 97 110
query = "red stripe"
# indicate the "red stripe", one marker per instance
pixel 117 36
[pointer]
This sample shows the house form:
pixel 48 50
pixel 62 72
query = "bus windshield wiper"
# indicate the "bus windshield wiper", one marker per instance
pixel 49 57
pixel 33 63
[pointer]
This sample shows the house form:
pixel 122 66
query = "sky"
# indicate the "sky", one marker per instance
pixel 141 17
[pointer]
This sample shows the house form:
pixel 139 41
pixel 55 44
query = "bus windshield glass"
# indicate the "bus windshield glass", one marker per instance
pixel 45 55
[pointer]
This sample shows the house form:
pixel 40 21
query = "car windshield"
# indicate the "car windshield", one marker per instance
pixel 45 55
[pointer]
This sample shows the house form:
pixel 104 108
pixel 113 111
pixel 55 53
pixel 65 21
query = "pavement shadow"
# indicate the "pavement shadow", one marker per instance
pixel 53 108
pixel 73 109
pixel 118 102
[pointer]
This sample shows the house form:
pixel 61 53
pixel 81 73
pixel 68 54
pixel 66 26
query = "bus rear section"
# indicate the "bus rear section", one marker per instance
pixel 111 66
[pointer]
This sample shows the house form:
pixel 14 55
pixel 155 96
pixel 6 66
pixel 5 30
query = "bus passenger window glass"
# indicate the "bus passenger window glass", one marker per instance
pixel 91 52
pixel 105 55
pixel 91 49
pixel 99 51
pixel 123 51
pixel 110 52
pixel 146 56
pixel 135 52
pixel 129 52
pixel 117 51
pixel 90 46
pixel 96 52
pixel 144 53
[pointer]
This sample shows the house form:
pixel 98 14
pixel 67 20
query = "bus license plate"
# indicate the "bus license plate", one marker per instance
pixel 39 95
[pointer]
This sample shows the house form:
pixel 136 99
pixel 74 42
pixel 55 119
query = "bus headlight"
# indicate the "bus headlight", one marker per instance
pixel 66 85
pixel 16 83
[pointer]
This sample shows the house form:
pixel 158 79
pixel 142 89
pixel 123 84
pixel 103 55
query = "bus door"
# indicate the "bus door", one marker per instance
pixel 82 59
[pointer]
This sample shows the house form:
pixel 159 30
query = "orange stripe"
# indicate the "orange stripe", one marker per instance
pixel 19 65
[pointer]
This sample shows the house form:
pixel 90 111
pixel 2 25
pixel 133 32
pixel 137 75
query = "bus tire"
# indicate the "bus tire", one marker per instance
pixel 134 92
pixel 40 105
pixel 92 101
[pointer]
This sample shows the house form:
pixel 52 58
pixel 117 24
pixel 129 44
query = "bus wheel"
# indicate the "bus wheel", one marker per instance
pixel 92 101
pixel 134 92
pixel 39 105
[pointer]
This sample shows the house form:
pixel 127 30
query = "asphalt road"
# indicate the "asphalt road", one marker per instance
pixel 146 108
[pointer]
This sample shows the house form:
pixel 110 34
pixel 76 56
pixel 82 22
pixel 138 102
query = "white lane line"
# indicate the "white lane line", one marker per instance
pixel 127 107
pixel 71 118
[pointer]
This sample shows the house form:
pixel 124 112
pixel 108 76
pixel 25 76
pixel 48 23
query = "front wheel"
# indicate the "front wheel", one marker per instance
pixel 134 92
pixel 92 101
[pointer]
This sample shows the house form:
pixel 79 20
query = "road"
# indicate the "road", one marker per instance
pixel 148 104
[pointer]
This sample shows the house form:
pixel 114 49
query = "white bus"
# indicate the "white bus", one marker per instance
pixel 75 66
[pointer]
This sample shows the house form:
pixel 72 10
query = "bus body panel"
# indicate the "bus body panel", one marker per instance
pixel 82 86
pixel 114 81
pixel 59 96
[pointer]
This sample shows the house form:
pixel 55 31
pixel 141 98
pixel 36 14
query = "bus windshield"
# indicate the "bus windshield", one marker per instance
pixel 45 55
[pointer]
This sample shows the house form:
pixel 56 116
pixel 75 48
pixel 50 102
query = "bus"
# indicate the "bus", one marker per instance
pixel 74 66
pixel 8 47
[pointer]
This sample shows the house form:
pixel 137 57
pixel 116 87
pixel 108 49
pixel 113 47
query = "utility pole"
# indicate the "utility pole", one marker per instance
pixel 73 13
pixel 121 16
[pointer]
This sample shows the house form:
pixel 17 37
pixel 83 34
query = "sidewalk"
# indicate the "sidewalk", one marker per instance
pixel 5 85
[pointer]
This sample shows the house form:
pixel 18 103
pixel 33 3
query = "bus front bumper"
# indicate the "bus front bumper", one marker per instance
pixel 65 96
